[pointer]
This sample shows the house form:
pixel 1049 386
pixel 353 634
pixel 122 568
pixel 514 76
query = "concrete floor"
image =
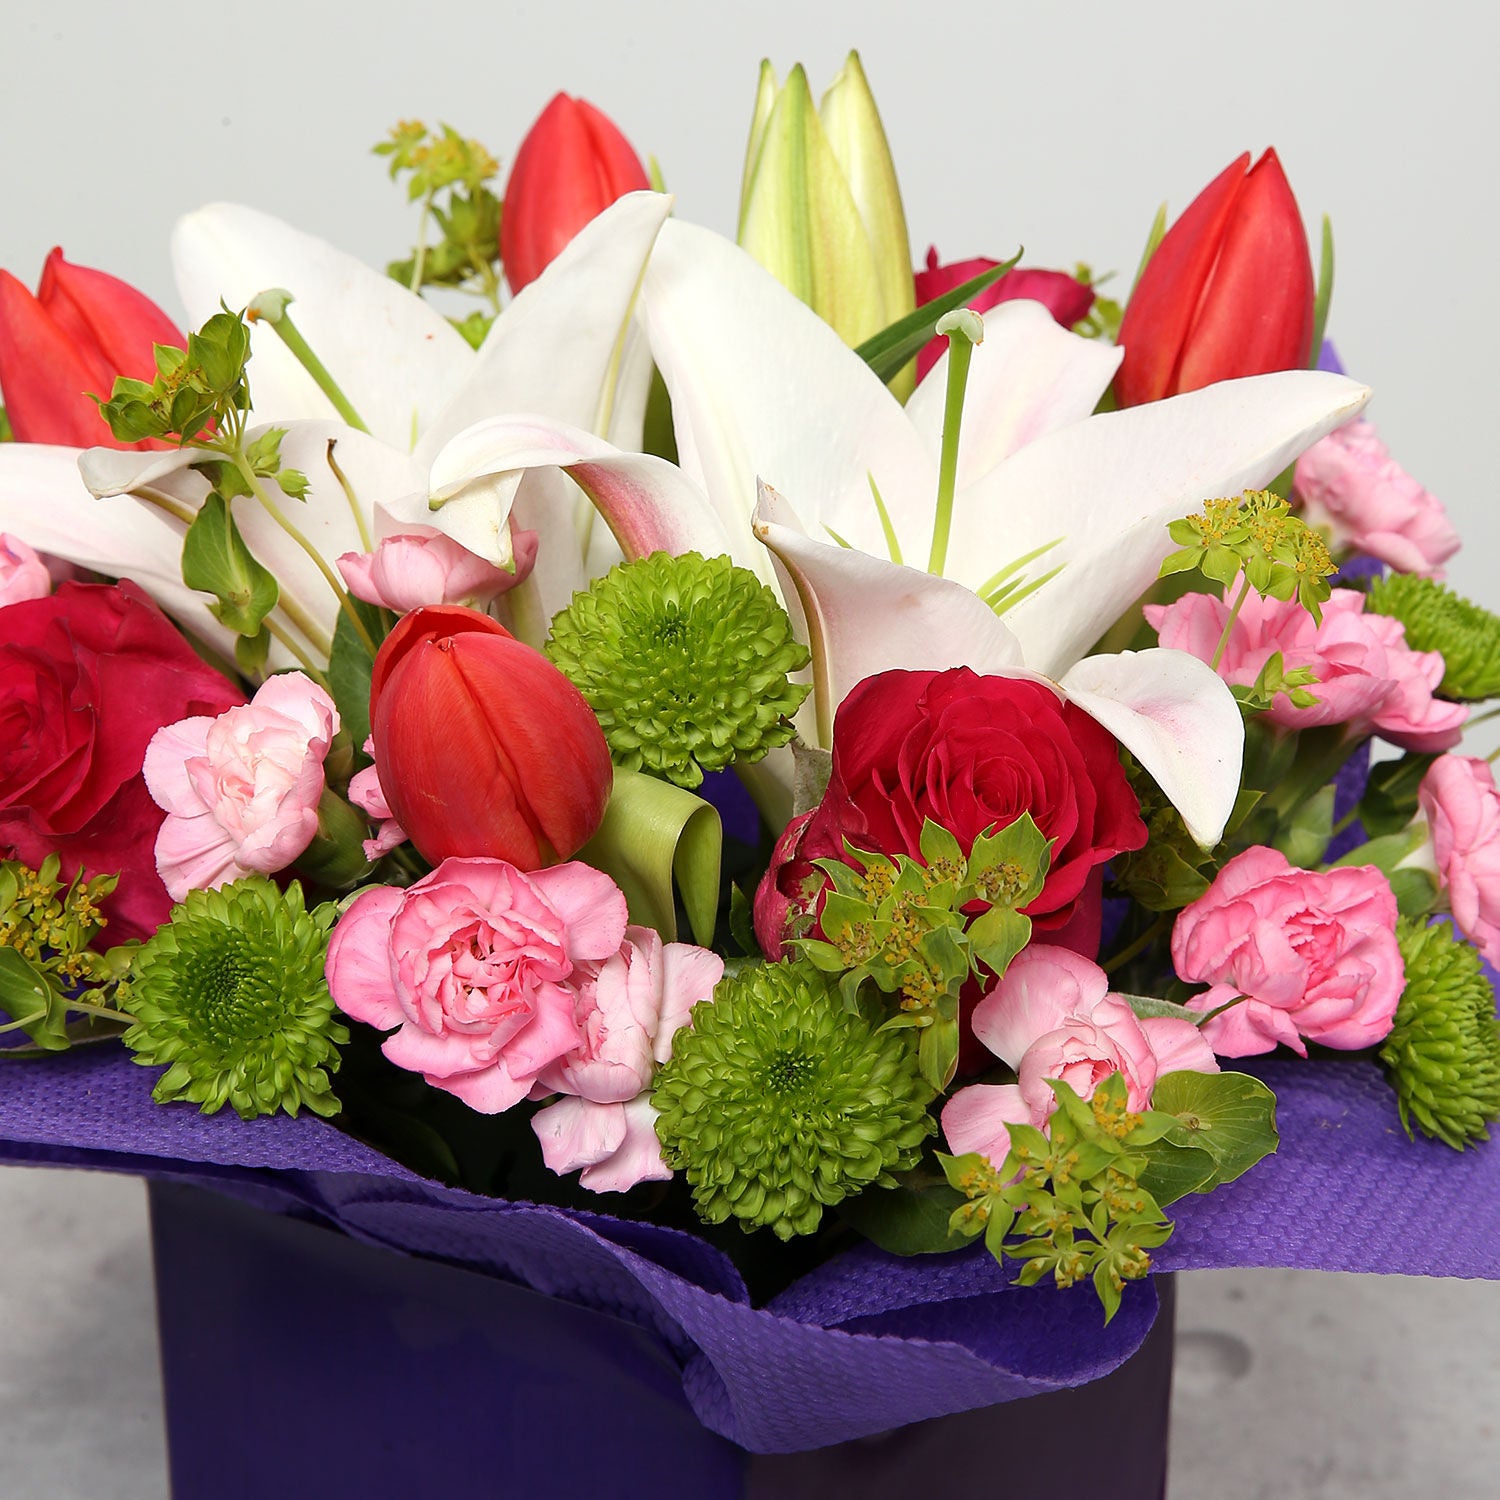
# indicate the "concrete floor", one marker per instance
pixel 1290 1385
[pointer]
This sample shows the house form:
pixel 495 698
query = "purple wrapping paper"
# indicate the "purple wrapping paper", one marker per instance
pixel 868 1341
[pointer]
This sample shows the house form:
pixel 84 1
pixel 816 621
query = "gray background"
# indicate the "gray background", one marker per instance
pixel 1060 127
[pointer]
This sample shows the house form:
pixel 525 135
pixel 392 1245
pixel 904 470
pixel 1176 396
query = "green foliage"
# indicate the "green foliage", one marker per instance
pixel 902 924
pixel 1436 619
pixel 1103 319
pixel 350 664
pixel 1443 1054
pixel 780 1101
pixel 686 661
pixel 216 560
pixel 229 996
pixel 7 435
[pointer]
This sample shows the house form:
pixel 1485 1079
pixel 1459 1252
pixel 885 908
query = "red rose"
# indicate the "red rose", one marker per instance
pixel 87 676
pixel 971 753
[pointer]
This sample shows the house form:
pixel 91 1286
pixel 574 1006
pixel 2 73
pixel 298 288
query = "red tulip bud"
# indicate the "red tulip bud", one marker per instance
pixel 482 747
pixel 572 165
pixel 70 341
pixel 1066 297
pixel 1229 291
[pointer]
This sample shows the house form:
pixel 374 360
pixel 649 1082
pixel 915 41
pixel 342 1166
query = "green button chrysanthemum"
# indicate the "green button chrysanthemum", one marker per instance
pixel 1443 1053
pixel 230 997
pixel 1437 619
pixel 780 1101
pixel 685 661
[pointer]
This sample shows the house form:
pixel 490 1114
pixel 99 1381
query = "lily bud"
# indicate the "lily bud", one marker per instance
pixel 572 165
pixel 1228 292
pixel 820 207
pixel 70 341
pixel 482 747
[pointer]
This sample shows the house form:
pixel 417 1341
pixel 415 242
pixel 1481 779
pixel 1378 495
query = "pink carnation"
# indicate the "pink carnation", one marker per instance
pixel 1052 1016
pixel 1462 807
pixel 1351 487
pixel 425 567
pixel 23 575
pixel 241 790
pixel 1368 677
pixel 1314 953
pixel 628 1011
pixel 477 967
pixel 366 795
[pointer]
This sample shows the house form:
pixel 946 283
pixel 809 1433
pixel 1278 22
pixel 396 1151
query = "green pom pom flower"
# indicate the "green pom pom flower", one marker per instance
pixel 1437 619
pixel 685 661
pixel 230 997
pixel 1443 1053
pixel 780 1101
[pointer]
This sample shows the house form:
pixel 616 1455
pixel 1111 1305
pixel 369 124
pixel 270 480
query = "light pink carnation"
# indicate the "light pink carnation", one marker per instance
pixel 477 966
pixel 628 1011
pixel 1462 807
pixel 241 790
pixel 1314 952
pixel 23 574
pixel 366 795
pixel 1368 677
pixel 424 567
pixel 1052 1016
pixel 1350 486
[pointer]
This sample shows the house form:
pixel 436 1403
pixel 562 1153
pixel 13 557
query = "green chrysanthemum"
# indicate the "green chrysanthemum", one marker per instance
pixel 1437 619
pixel 779 1101
pixel 1443 1053
pixel 685 661
pixel 230 997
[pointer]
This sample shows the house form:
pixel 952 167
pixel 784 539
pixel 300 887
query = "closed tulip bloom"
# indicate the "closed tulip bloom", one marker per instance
pixel 68 342
pixel 482 747
pixel 1228 292
pixel 572 165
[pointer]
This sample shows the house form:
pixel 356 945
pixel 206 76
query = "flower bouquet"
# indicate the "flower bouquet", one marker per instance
pixel 824 813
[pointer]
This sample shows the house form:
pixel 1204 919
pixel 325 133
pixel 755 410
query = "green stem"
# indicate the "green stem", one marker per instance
pixel 419 261
pixel 960 351
pixel 359 516
pixel 101 1012
pixel 280 633
pixel 302 352
pixel 276 513
pixel 1234 614
pixel 1141 943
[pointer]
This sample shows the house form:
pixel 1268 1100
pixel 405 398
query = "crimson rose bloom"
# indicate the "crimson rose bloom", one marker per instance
pixel 87 676
pixel 972 753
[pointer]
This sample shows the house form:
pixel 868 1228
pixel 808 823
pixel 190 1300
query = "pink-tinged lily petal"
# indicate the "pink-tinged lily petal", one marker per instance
pixel 598 378
pixel 1108 487
pixel 577 1133
pixel 762 387
pixel 1043 987
pixel 1176 716
pixel 45 503
pixel 646 502
pixel 978 1118
pixel 396 358
pixel 861 614
pixel 1028 378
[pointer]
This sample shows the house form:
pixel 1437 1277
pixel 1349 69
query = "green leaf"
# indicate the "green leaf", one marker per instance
pixel 251 653
pixel 1324 293
pixel 887 351
pixel 997 936
pixel 742 922
pixel 31 1000
pixel 906 1220
pixel 937 1054
pixel 1305 836
pixel 1230 1115
pixel 1147 1006
pixel 652 832
pixel 349 666
pixel 1173 1170
pixel 216 560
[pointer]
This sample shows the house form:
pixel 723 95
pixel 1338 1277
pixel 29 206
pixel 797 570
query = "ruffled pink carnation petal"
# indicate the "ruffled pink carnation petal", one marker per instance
pixel 358 967
pixel 1043 986
pixel 576 1133
pixel 638 1157
pixel 1179 1046
pixel 23 574
pixel 979 1117
pixel 590 903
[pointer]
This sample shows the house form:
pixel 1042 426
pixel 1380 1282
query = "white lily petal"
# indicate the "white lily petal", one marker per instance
pixel 567 344
pixel 647 503
pixel 396 358
pixel 761 386
pixel 860 614
pixel 1177 717
pixel 1109 486
pixel 116 471
pixel 44 501
pixel 1028 378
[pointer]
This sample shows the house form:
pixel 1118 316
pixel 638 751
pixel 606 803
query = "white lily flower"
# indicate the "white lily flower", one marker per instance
pixel 765 394
pixel 568 345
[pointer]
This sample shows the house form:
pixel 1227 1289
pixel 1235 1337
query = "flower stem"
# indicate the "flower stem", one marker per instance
pixel 964 329
pixel 271 307
pixel 354 506
pixel 1234 614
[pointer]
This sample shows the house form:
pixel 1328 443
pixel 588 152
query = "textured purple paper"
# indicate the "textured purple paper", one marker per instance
pixel 867 1342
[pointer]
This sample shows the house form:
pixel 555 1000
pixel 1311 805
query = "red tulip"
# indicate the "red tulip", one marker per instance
pixel 1066 297
pixel 69 341
pixel 482 747
pixel 1229 291
pixel 572 165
